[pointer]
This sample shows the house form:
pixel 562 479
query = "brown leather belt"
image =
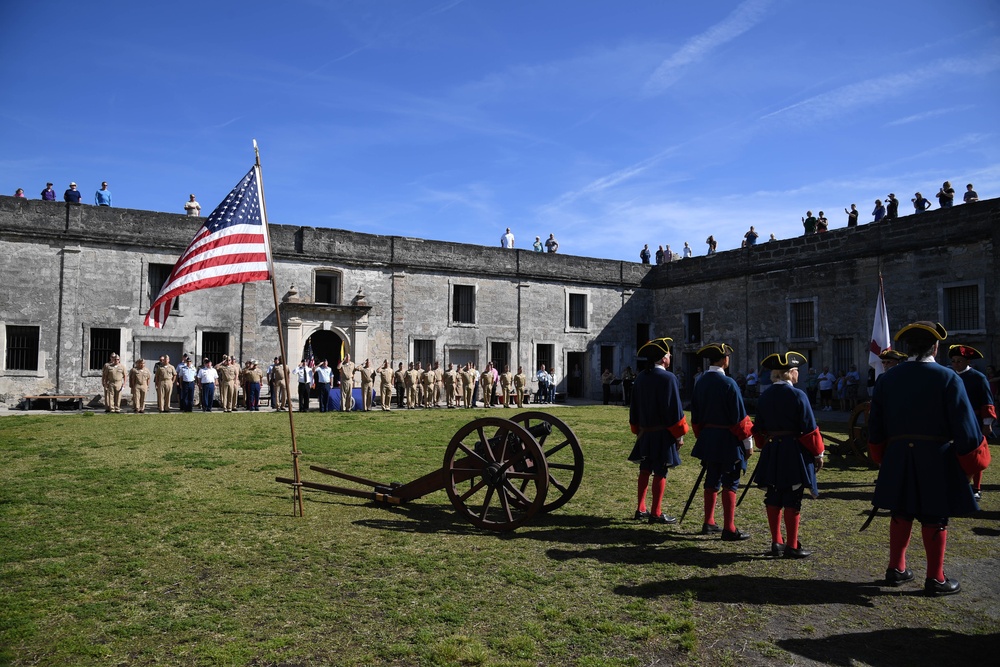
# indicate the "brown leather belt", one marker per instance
pixel 651 429
pixel 780 434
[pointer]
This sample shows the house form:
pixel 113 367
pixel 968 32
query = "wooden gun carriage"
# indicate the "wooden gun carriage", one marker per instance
pixel 498 473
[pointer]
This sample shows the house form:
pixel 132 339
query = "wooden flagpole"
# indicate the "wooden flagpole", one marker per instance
pixel 297 509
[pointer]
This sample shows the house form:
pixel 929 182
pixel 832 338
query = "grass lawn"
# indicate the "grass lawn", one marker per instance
pixel 149 539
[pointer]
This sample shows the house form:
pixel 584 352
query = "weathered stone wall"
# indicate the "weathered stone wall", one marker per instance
pixel 70 268
pixel 744 294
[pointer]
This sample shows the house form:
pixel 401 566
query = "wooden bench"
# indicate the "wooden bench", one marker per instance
pixel 54 400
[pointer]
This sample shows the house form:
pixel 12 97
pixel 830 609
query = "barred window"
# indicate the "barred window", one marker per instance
pixel 157 275
pixel 423 351
pixel 104 343
pixel 961 308
pixel 544 354
pixel 692 327
pixel 463 306
pixel 578 311
pixel 22 348
pixel 801 320
pixel 500 355
pixel 843 354
pixel 765 349
pixel 214 344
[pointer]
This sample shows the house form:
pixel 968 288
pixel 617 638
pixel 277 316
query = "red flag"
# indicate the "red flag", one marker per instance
pixel 231 248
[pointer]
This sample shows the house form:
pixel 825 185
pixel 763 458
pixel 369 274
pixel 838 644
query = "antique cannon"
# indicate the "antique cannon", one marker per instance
pixel 497 472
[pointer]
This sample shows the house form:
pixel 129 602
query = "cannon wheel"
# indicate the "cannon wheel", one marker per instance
pixel 858 431
pixel 496 475
pixel 563 455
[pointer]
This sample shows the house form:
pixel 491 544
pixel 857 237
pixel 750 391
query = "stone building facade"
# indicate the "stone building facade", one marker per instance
pixel 76 281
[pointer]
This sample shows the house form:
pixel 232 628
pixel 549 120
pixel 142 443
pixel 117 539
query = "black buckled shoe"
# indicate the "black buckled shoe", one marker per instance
pixel 662 518
pixel 777 550
pixel 977 494
pixel 894 577
pixel 710 529
pixel 936 588
pixel 734 535
pixel 641 514
pixel 798 552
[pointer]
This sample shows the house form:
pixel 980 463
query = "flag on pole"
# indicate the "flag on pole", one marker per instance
pixel 880 332
pixel 309 356
pixel 231 248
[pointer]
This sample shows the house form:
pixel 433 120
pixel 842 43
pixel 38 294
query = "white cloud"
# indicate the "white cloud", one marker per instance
pixel 745 17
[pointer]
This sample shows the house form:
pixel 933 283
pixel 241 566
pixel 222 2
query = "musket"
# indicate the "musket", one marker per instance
pixel 697 483
pixel 749 483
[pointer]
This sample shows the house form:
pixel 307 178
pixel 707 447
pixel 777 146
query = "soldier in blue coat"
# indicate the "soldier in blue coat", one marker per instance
pixel 722 428
pixel 791 451
pixel 926 439
pixel 657 419
pixel 978 389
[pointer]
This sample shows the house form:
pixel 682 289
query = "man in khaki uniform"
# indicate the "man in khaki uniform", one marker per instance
pixel 448 379
pixel 113 379
pixel 520 382
pixel 278 384
pixel 138 381
pixel 164 379
pixel 399 381
pixel 386 377
pixel 468 386
pixel 418 383
pixel 506 384
pixel 347 370
pixel 228 377
pixel 438 384
pixel 411 392
pixel 429 381
pixel 254 377
pixel 486 383
pixel 367 380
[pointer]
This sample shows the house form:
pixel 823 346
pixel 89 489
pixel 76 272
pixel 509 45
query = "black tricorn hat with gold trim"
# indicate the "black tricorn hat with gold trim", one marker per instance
pixel 922 332
pixel 892 355
pixel 715 351
pixel 964 351
pixel 655 349
pixel 783 362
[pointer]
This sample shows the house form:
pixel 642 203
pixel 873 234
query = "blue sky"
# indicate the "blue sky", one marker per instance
pixel 609 124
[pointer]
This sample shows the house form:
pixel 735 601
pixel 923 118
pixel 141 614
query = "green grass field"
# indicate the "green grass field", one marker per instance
pixel 163 540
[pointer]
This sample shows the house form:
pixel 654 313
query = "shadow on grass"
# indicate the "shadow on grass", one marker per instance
pixel 769 590
pixel 901 646
pixel 689 556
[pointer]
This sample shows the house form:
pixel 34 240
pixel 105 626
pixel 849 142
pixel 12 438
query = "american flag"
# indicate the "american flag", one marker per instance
pixel 309 356
pixel 231 248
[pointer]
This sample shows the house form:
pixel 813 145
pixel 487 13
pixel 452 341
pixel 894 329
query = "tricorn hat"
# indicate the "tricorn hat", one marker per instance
pixel 892 355
pixel 783 361
pixel 964 351
pixel 922 332
pixel 655 349
pixel 715 351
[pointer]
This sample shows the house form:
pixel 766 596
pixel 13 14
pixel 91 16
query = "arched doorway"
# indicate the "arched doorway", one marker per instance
pixel 325 345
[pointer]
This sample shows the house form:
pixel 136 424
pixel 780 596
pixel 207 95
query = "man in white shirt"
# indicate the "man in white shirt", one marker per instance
pixel 304 374
pixel 208 378
pixel 507 240
pixel 323 375
pixel 826 382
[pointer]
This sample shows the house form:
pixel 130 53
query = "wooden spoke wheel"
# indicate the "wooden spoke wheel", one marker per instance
pixel 563 455
pixel 495 474
pixel 858 431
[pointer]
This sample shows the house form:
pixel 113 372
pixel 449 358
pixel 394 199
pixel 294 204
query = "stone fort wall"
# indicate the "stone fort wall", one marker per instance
pixel 69 270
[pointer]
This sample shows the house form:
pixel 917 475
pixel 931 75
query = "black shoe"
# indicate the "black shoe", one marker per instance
pixel 641 514
pixel 977 494
pixel 662 518
pixel 946 587
pixel 734 535
pixel 798 552
pixel 894 577
pixel 710 529
pixel 777 550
